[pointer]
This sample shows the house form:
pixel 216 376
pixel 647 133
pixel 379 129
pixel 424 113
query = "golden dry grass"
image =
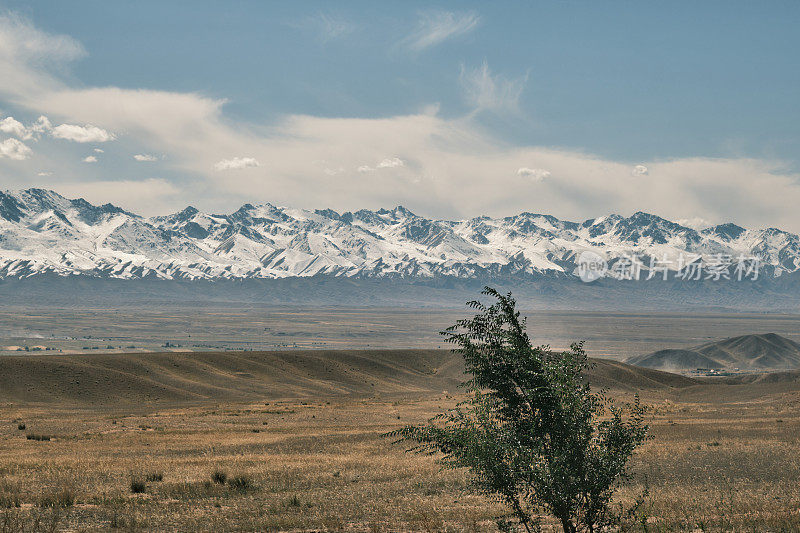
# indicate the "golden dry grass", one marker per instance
pixel 323 465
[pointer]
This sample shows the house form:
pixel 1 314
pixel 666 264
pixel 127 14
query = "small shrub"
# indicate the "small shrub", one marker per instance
pixel 62 498
pixel 21 426
pixel 138 486
pixel 714 443
pixel 154 477
pixel 219 477
pixel 294 501
pixel 40 438
pixel 240 482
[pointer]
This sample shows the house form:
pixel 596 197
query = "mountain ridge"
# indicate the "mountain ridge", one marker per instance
pixel 42 232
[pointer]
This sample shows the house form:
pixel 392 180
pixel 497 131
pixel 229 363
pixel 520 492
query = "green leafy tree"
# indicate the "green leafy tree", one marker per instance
pixel 531 433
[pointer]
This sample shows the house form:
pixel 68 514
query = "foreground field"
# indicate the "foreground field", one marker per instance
pixel 724 457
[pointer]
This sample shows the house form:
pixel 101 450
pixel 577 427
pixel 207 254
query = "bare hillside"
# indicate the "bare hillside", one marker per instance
pixel 761 352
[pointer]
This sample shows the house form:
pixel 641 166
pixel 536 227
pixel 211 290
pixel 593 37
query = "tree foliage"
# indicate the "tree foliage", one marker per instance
pixel 531 433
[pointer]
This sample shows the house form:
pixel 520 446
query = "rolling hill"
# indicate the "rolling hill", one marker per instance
pixel 761 352
pixel 198 377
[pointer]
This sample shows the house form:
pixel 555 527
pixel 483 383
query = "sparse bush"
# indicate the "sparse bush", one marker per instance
pixel 9 495
pixel 21 426
pixel 154 477
pixel 294 501
pixel 240 482
pixel 138 486
pixel 40 438
pixel 531 433
pixel 219 477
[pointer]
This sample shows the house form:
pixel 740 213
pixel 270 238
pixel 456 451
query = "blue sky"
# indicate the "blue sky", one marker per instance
pixel 686 109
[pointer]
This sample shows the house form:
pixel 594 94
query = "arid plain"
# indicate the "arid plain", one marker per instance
pixel 292 439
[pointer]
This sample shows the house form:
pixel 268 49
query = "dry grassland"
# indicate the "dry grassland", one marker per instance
pixel 723 457
pixel 324 466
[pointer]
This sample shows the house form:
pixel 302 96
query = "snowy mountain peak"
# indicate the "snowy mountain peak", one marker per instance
pixel 43 232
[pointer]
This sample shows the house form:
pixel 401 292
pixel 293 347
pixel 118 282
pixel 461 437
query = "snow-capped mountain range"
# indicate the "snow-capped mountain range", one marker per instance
pixel 43 232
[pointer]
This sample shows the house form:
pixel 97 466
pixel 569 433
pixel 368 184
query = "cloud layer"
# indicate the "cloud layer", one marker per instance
pixel 441 166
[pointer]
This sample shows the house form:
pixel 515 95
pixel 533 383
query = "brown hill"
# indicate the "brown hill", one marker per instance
pixel 768 351
pixel 142 379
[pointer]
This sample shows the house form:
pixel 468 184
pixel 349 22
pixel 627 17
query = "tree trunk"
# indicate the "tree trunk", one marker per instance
pixel 566 523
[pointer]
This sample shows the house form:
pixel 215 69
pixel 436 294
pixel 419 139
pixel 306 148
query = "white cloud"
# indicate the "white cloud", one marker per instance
pixel 485 91
pixel 535 174
pixel 389 162
pixel 640 170
pixel 42 125
pixel 14 149
pixel 435 27
pixel 99 151
pixel 14 127
pixel 89 159
pixel 394 162
pixel 71 132
pixel 236 163
pixel 43 174
pixel 82 134
pixel 145 157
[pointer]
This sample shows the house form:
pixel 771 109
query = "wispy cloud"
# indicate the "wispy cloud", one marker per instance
pixel 640 170
pixel 435 27
pixel 90 159
pixel 486 91
pixel 145 158
pixel 326 26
